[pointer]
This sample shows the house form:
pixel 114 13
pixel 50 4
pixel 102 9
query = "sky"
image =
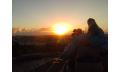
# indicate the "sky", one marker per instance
pixel 45 13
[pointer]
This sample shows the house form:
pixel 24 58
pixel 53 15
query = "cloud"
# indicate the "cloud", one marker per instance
pixel 25 31
pixel 44 29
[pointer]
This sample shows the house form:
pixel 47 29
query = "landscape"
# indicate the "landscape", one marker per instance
pixel 36 53
pixel 60 36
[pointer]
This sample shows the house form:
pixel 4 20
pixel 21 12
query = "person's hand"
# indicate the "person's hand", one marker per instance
pixel 57 60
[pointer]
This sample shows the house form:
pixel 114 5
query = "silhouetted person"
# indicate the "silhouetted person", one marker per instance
pixel 93 28
pixel 85 47
pixel 96 34
pixel 98 40
pixel 70 50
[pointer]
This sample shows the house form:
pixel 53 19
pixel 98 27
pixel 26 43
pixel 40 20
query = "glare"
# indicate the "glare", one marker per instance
pixel 61 28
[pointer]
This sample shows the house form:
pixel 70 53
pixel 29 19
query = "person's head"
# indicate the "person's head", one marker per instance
pixel 79 31
pixel 93 28
pixel 91 22
pixel 76 32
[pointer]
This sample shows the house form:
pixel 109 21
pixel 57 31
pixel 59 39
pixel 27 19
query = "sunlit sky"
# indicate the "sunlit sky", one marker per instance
pixel 45 13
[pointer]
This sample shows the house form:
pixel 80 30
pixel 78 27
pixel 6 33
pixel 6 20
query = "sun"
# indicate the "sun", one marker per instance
pixel 61 28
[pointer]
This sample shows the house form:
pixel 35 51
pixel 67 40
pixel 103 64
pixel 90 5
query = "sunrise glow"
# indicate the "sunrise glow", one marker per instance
pixel 61 28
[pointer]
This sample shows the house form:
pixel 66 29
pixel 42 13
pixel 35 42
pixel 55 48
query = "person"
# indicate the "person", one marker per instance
pixel 85 47
pixel 99 41
pixel 80 41
pixel 70 50
pixel 96 34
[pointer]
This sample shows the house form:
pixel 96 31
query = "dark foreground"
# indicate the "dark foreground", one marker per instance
pixel 38 53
